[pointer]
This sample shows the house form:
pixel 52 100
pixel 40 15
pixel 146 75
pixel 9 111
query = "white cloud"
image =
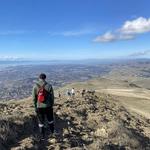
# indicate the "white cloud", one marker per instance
pixel 107 37
pixel 73 32
pixel 137 26
pixel 110 37
pixel 141 53
pixel 129 30
pixel 126 37
pixel 14 32
pixel 6 57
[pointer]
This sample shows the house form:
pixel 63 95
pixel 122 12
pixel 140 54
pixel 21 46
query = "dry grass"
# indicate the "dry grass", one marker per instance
pixel 15 121
pixel 93 122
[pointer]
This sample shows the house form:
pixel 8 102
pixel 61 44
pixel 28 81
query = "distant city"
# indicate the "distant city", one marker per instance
pixel 18 77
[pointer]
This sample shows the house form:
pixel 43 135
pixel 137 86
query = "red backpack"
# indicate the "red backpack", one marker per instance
pixel 42 93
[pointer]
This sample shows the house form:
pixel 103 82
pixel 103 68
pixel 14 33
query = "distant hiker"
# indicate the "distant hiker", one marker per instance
pixel 43 98
pixel 83 92
pixel 73 92
pixel 59 94
pixel 78 92
pixel 68 93
pixel 92 92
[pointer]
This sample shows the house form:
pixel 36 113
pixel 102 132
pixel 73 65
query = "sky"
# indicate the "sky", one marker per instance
pixel 74 29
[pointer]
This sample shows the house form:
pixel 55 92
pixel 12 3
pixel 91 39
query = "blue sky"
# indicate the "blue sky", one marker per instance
pixel 74 29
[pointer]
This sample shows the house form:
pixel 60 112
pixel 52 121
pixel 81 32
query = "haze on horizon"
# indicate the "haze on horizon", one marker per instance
pixel 68 30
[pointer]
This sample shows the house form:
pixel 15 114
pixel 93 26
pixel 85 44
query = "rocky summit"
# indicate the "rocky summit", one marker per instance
pixel 93 122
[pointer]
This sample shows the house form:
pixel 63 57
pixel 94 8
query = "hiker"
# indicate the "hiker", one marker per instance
pixel 83 92
pixel 78 93
pixel 59 94
pixel 68 93
pixel 43 98
pixel 73 92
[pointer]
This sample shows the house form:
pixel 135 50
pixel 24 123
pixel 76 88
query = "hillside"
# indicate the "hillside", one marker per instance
pixel 93 122
pixel 131 96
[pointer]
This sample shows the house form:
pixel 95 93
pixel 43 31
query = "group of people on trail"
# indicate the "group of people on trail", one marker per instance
pixel 43 99
pixel 70 92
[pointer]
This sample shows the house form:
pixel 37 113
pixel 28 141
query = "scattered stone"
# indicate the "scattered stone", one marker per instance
pixel 53 140
pixel 81 126
pixel 101 133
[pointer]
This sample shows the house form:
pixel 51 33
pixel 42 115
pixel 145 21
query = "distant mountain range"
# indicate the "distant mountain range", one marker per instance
pixel 27 61
pixel 11 58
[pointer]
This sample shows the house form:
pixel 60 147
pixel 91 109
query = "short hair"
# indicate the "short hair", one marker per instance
pixel 42 76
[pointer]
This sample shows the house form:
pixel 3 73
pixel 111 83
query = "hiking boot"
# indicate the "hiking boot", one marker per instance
pixel 55 133
pixel 39 138
pixel 42 138
pixel 42 133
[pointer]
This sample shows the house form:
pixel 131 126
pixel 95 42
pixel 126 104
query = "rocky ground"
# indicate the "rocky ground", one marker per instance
pixel 92 122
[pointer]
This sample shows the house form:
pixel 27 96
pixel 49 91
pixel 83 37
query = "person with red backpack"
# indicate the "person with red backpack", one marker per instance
pixel 43 98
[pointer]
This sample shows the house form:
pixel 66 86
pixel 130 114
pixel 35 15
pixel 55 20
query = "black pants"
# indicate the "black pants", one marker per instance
pixel 47 113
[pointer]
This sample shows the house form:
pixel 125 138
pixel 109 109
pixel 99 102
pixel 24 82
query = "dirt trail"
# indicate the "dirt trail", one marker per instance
pixel 93 122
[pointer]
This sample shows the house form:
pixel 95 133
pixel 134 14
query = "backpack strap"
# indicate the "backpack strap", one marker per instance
pixel 39 86
pixel 44 84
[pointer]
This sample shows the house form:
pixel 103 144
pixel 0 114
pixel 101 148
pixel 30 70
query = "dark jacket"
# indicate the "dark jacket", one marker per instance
pixel 50 96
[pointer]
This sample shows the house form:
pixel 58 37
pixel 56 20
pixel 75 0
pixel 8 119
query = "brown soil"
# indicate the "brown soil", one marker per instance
pixel 95 122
